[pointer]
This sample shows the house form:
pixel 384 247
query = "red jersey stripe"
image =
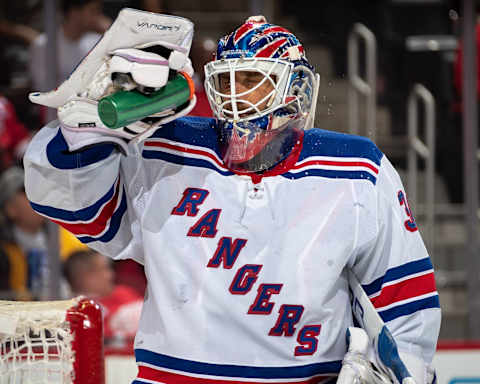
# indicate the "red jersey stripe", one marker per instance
pixel 405 289
pixel 337 163
pixel 98 225
pixel 185 150
pixel 161 376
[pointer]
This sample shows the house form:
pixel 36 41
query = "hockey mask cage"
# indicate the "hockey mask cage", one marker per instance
pixel 233 106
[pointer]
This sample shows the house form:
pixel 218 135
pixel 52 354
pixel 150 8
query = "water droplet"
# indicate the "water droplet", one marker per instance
pixel 453 14
pixel 330 110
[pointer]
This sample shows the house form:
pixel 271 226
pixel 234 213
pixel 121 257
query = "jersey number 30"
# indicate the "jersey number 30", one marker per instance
pixel 410 224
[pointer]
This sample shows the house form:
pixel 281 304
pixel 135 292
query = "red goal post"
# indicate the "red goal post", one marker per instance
pixel 51 342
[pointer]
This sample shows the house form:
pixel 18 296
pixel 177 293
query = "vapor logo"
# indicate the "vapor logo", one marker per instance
pixel 158 27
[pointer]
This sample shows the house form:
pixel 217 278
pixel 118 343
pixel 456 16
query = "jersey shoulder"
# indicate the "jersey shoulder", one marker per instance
pixel 337 156
pixel 320 142
pixel 192 131
pixel 189 141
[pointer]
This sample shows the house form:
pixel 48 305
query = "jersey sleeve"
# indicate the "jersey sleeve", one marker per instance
pixel 394 267
pixel 85 191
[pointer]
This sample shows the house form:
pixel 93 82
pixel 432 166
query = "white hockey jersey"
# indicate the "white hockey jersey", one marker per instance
pixel 246 277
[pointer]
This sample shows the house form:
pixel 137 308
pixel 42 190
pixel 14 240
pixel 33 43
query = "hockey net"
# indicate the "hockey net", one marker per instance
pixel 51 342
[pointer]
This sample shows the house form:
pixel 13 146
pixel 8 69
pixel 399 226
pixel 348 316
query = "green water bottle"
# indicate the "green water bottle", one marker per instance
pixel 125 107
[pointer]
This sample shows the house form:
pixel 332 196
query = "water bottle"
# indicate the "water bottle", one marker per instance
pixel 126 107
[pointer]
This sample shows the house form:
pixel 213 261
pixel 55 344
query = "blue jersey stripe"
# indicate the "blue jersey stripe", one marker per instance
pixel 115 223
pixel 237 371
pixel 409 308
pixel 332 174
pixel 196 131
pixel 84 214
pixel 397 273
pixel 183 160
pixel 60 157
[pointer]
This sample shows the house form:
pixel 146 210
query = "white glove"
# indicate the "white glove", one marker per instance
pixel 129 47
pixel 79 116
pixel 356 367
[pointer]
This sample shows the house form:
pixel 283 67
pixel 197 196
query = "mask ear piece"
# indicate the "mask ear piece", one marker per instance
pixel 304 89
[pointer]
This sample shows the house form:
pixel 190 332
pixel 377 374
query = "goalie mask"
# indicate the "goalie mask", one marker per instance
pixel 142 51
pixel 263 93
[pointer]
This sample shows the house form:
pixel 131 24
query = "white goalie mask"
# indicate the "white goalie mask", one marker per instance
pixel 260 120
pixel 144 48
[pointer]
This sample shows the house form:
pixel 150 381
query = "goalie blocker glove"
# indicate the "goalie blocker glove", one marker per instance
pixel 141 51
pixel 357 367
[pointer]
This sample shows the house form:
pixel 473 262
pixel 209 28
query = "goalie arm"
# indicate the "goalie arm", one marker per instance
pixel 395 271
pixel 82 174
pixel 84 191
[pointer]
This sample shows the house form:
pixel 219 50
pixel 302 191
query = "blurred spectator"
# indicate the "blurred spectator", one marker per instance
pixel 130 273
pixel 81 27
pixel 90 273
pixel 14 137
pixel 112 7
pixel 16 35
pixel 18 32
pixel 23 241
pixel 201 53
pixel 18 29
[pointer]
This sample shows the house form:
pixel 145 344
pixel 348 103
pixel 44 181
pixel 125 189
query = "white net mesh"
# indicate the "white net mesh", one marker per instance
pixel 35 342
